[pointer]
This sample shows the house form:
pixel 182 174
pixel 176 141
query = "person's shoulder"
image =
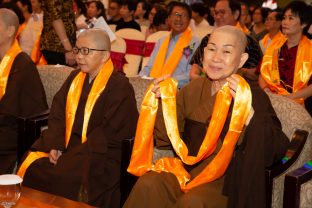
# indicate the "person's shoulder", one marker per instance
pixel 119 81
pixel 23 62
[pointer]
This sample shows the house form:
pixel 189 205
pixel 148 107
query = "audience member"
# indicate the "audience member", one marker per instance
pixel 226 145
pixel 155 8
pixel 199 12
pixel 21 93
pixel 290 60
pixel 141 13
pixel 59 32
pixel 29 38
pixel 95 9
pixel 257 30
pixel 227 12
pixel 127 11
pixel 114 12
pixel 79 155
pixel 160 22
pixel 173 52
pixel 81 15
pixel 244 18
pixel 272 24
pixel 25 7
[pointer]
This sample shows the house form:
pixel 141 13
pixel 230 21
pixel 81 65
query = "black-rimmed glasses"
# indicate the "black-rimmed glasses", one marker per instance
pixel 85 50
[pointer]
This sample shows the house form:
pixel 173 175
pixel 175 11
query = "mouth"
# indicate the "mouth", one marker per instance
pixel 214 68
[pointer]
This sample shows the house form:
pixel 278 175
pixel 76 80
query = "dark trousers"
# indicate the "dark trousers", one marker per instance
pixel 53 57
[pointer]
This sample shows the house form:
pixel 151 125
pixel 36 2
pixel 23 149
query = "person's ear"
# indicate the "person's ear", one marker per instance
pixel 236 15
pixel 243 59
pixel 11 31
pixel 105 56
pixel 303 25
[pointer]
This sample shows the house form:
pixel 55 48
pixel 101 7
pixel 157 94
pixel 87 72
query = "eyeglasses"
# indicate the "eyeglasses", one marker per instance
pixel 84 50
pixel 182 15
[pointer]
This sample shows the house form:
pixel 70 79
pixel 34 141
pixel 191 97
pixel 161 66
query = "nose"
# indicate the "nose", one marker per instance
pixel 216 57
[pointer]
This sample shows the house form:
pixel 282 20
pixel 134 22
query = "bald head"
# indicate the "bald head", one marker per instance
pixel 236 33
pixel 10 19
pixel 98 38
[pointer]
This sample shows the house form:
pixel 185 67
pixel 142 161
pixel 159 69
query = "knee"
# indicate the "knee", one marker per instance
pixel 189 200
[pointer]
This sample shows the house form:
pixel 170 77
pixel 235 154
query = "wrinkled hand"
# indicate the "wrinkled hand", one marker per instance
pixel 156 88
pixel 233 84
pixel 54 156
pixel 70 58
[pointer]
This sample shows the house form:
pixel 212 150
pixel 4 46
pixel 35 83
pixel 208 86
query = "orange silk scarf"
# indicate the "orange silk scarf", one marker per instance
pixel 36 55
pixel 303 67
pixel 160 67
pixel 6 65
pixel 72 101
pixel 242 28
pixel 141 159
pixel 274 42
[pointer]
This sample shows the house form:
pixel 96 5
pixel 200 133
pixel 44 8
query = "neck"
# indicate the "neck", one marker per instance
pixel 293 40
pixel 127 19
pixel 273 33
pixel 116 18
pixel 217 85
pixel 4 48
pixel 27 16
pixel 37 10
pixel 198 20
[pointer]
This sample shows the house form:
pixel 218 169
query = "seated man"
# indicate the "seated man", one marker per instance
pixel 21 93
pixel 79 155
pixel 205 163
pixel 172 53
pixel 127 10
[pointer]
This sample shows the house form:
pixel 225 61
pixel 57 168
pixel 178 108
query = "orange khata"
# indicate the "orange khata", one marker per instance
pixel 160 67
pixel 72 101
pixel 141 159
pixel 303 67
pixel 6 65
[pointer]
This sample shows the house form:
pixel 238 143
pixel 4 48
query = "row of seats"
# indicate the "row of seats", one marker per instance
pixel 281 179
pixel 130 50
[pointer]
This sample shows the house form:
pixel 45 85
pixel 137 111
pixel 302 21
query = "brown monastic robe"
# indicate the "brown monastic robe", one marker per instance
pixel 194 109
pixel 88 171
pixel 24 96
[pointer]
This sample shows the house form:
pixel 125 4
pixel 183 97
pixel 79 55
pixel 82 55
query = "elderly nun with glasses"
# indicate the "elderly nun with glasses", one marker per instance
pixel 78 156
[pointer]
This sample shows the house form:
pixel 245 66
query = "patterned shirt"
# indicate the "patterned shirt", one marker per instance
pixel 253 49
pixel 53 10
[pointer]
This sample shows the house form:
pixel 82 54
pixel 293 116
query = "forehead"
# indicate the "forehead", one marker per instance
pixel 178 9
pixel 222 5
pixel 272 15
pixel 223 38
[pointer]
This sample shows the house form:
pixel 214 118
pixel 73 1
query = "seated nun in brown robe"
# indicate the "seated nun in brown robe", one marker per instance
pixel 79 155
pixel 229 131
pixel 21 90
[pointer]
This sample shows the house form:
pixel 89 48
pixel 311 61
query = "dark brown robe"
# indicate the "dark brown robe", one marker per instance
pixel 194 109
pixel 88 171
pixel 24 96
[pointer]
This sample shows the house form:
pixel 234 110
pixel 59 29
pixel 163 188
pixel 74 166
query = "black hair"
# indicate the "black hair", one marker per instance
pixel 199 8
pixel 264 12
pixel 100 6
pixel 160 17
pixel 279 14
pixel 301 9
pixel 131 4
pixel 182 5
pixel 26 3
pixel 116 1
pixel 234 6
pixel 146 6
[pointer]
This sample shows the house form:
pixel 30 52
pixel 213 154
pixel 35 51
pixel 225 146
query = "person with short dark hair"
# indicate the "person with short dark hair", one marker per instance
pixel 127 10
pixel 160 21
pixel 141 13
pixel 273 24
pixel 291 58
pixel 172 53
pixel 114 12
pixel 199 13
pixel 257 30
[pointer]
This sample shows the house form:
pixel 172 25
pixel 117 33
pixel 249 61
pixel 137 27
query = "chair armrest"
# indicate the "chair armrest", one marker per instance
pixel 127 180
pixel 297 143
pixel 292 185
pixel 29 129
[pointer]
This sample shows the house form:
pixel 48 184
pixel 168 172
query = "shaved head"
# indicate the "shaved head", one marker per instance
pixel 9 18
pixel 98 38
pixel 233 31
